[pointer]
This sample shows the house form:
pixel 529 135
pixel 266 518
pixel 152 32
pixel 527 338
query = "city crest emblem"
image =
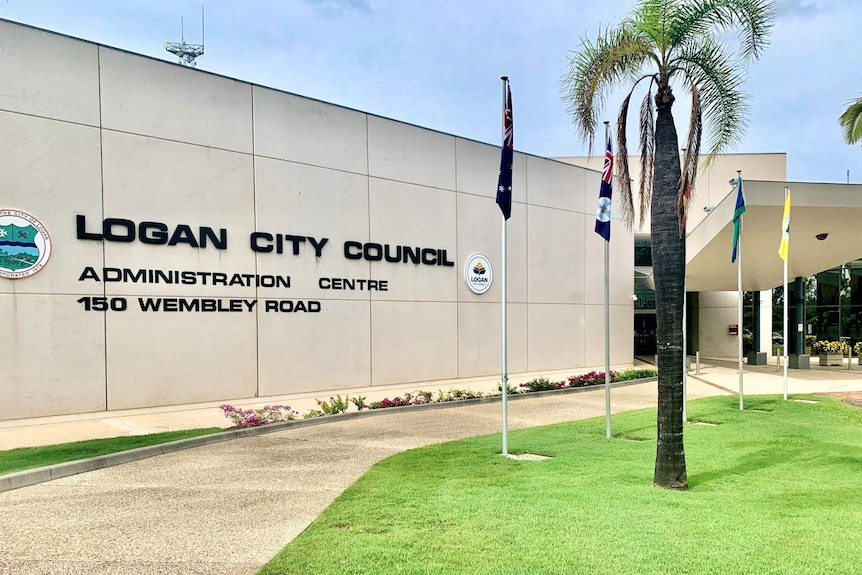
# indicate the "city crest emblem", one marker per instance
pixel 25 245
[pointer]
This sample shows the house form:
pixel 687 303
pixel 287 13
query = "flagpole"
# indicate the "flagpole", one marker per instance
pixel 739 295
pixel 505 332
pixel 504 338
pixel 684 351
pixel 785 258
pixel 607 325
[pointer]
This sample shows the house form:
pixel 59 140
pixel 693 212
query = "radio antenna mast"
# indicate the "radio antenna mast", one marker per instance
pixel 187 53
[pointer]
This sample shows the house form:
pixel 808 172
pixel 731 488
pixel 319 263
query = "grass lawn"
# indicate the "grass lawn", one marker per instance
pixel 31 457
pixel 773 491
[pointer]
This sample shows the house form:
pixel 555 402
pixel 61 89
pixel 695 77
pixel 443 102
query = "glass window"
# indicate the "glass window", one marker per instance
pixel 643 253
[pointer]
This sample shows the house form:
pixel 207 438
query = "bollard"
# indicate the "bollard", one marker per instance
pixel 697 363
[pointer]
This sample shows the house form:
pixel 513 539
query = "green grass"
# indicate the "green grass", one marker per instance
pixel 32 457
pixel 772 492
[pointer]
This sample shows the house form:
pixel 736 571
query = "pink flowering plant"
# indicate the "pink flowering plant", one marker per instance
pixel 253 417
pixel 545 384
pixel 415 398
pixel 591 378
pixel 338 404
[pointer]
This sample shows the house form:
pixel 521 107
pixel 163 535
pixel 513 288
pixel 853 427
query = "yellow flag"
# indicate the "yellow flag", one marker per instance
pixel 785 229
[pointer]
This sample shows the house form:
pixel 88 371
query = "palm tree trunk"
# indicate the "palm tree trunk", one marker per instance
pixel 668 257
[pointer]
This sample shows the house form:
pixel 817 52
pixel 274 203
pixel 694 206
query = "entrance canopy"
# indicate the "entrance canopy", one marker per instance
pixel 825 232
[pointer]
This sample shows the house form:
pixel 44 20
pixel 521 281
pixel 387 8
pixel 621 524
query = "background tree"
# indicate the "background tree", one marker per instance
pixel 851 122
pixel 666 44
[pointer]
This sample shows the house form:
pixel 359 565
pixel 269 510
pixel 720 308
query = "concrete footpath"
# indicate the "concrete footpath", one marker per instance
pixel 228 508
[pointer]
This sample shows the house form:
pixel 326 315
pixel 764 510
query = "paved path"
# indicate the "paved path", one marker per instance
pixel 228 508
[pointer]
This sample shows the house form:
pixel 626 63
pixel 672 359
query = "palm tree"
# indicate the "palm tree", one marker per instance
pixel 851 121
pixel 666 44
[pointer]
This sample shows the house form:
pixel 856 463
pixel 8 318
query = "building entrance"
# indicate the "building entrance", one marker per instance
pixel 645 326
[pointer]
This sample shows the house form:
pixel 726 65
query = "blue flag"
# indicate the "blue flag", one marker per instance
pixel 504 182
pixel 603 212
pixel 737 220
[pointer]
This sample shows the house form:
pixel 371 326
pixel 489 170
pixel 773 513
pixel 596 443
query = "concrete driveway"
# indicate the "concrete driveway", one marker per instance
pixel 228 508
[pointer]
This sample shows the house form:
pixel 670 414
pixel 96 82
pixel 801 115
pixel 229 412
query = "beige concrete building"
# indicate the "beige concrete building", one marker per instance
pixel 212 239
pixel 171 236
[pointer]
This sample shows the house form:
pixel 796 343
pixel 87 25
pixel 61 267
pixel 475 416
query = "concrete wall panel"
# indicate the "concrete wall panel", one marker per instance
pixel 413 341
pixel 55 355
pixel 479 344
pixel 39 179
pixel 480 230
pixel 556 254
pixel 556 336
pixel 555 185
pixel 174 358
pixel 302 130
pixel 478 169
pixel 147 179
pixel 48 75
pixel 415 216
pixel 622 335
pixel 406 153
pixel 300 200
pixel 153 98
pixel 717 311
pixel 298 353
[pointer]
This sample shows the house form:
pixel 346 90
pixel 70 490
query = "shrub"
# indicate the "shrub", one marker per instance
pixel 857 349
pixel 254 417
pixel 633 373
pixel 335 405
pixel 542 384
pixel 457 395
pixel 510 389
pixel 359 402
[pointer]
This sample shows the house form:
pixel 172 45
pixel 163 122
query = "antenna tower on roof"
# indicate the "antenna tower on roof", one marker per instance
pixel 187 53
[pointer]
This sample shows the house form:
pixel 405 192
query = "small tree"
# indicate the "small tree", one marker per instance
pixel 667 43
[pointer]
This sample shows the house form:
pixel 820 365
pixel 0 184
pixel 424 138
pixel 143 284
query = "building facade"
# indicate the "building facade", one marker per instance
pixel 211 239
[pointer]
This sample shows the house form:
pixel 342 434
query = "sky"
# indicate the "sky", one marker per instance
pixel 437 63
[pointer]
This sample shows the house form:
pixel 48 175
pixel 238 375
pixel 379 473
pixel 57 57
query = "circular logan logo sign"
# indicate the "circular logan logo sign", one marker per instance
pixel 478 273
pixel 25 245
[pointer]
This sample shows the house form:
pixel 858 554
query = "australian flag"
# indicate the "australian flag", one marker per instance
pixel 603 212
pixel 504 182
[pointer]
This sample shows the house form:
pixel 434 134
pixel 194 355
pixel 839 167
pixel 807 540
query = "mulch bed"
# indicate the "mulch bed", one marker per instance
pixel 848 397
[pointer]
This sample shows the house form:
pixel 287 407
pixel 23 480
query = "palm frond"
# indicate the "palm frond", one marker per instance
pixel 752 19
pixel 690 161
pixel 851 121
pixel 647 144
pixel 723 104
pixel 652 18
pixel 627 211
pixel 597 70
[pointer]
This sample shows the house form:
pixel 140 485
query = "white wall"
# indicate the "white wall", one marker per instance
pixel 88 130
pixel 717 311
